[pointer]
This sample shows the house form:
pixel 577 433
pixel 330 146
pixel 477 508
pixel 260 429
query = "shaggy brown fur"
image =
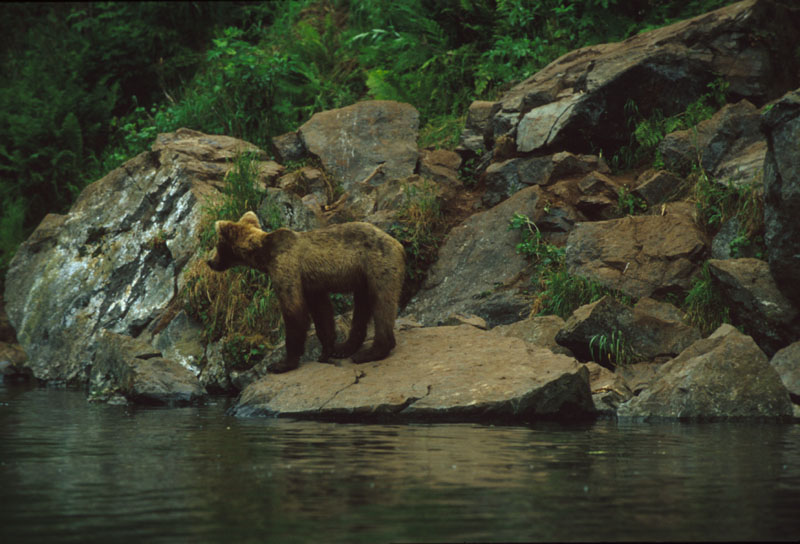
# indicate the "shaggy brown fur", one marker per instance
pixel 305 267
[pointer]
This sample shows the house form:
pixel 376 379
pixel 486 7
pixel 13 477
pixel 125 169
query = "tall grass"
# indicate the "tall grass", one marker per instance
pixel 237 306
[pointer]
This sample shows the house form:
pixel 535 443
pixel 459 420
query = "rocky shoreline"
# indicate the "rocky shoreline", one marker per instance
pixel 93 297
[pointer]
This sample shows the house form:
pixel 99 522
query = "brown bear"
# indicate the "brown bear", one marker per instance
pixel 305 267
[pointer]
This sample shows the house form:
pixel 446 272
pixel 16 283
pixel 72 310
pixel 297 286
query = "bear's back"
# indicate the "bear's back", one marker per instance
pixel 340 256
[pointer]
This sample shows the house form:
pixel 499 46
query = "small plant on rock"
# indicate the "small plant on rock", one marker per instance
pixel 628 203
pixel 612 349
pixel 420 219
pixel 704 305
pixel 559 292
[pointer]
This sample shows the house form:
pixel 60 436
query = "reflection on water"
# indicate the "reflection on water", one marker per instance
pixel 71 471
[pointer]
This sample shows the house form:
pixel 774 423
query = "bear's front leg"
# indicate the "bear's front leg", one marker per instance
pixel 284 365
pixel 321 308
pixel 296 324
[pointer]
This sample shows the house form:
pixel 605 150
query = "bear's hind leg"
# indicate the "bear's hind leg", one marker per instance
pixel 321 310
pixel 362 311
pixel 385 312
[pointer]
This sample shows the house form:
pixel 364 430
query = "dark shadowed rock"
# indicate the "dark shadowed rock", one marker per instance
pixel 728 146
pixel 646 332
pixel 599 196
pixel 355 141
pixel 658 186
pixel 505 178
pixel 288 147
pixel 781 124
pixel 440 165
pixel 578 101
pixel 477 133
pixel 434 374
pixel 755 302
pixel 609 389
pixel 639 256
pixel 658 330
pixel 132 368
pixel 606 317
pixel 725 376
pixel 787 362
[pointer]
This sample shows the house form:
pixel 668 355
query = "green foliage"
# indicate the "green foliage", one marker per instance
pixel 240 194
pixel 442 132
pixel 647 133
pixel 69 73
pixel 613 349
pixel 11 232
pixel 704 304
pixel 238 306
pixel 628 203
pixel 419 221
pixel 559 292
pixel 543 255
pixel 241 352
pixel 718 202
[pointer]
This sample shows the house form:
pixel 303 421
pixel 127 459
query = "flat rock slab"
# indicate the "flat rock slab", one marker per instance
pixel 456 373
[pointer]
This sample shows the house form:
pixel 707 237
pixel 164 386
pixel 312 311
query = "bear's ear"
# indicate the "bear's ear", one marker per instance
pixel 223 229
pixel 251 219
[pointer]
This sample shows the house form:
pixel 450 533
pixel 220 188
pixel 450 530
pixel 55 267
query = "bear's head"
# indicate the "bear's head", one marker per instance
pixel 235 241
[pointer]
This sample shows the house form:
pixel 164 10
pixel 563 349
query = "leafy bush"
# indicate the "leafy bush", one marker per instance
pixel 70 73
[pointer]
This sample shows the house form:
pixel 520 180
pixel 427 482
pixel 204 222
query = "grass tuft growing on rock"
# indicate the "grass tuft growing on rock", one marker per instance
pixel 704 304
pixel 558 292
pixel 418 227
pixel 238 306
pixel 648 132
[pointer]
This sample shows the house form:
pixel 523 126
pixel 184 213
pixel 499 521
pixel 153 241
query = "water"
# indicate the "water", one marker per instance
pixel 71 471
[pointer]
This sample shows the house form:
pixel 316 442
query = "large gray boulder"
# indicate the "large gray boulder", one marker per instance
pixel 787 362
pixel 577 102
pixel 115 260
pixel 372 139
pixel 724 376
pixel 131 368
pixel 781 124
pixel 457 373
pixel 478 270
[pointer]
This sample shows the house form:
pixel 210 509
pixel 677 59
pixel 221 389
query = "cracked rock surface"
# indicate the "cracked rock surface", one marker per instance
pixel 434 374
